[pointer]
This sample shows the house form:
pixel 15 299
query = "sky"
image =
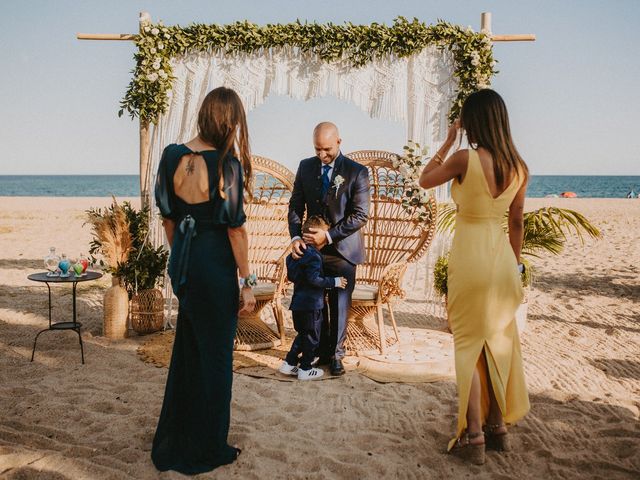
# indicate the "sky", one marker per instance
pixel 572 95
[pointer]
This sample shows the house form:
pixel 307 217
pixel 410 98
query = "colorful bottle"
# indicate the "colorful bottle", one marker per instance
pixel 64 265
pixel 85 263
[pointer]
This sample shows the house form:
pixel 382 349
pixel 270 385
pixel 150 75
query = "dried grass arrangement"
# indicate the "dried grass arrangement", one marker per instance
pixel 111 237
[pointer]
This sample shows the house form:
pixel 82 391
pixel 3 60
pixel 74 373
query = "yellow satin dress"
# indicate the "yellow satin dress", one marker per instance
pixel 484 291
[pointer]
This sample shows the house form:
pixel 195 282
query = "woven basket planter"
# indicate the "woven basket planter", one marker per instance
pixel 147 311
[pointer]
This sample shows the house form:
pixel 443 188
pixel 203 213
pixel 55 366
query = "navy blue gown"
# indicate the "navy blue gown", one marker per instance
pixel 191 436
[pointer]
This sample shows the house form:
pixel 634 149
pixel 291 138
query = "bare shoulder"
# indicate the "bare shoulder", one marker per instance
pixel 458 161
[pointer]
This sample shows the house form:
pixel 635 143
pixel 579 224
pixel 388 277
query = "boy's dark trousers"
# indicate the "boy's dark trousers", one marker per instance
pixel 307 323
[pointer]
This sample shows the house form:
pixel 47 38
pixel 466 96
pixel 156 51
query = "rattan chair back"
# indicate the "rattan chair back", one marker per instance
pixel 267 218
pixel 390 235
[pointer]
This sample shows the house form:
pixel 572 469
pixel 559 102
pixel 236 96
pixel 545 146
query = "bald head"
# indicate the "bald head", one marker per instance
pixel 326 141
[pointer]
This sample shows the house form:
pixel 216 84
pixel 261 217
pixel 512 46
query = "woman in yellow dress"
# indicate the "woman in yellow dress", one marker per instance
pixel 484 288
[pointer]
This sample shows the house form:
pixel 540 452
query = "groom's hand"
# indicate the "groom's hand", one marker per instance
pixel 297 248
pixel 316 237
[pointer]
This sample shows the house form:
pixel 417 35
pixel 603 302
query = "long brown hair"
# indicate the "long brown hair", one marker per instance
pixel 485 119
pixel 222 123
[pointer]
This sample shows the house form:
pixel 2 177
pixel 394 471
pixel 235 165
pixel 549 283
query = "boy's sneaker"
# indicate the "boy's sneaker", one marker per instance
pixel 311 374
pixel 287 369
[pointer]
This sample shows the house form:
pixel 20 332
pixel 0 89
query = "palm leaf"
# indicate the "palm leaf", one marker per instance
pixel 446 217
pixel 537 241
pixel 562 221
pixel 545 229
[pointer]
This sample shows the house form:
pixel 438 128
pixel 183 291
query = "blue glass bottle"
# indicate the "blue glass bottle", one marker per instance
pixel 64 266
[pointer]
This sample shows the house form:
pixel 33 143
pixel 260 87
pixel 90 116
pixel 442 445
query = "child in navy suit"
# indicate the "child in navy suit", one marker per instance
pixel 309 284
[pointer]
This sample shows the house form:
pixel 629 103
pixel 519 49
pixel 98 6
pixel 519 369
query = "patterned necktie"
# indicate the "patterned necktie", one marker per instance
pixel 325 180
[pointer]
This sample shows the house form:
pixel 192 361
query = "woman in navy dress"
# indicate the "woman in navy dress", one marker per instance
pixel 199 192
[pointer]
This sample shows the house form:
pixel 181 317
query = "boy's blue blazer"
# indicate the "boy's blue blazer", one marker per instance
pixel 309 282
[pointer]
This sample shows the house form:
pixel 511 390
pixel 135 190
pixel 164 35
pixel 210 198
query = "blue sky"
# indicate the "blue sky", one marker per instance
pixel 573 94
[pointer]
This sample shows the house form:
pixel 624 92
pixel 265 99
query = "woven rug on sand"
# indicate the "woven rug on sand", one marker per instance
pixel 420 356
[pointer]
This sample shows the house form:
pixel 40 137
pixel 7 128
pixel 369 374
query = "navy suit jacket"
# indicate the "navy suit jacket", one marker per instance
pixel 346 206
pixel 309 282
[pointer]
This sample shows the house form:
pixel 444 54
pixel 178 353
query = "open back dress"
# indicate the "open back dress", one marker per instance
pixel 191 436
pixel 484 292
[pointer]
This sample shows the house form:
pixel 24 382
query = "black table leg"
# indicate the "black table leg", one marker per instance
pixel 50 307
pixel 81 347
pixel 33 352
pixel 75 326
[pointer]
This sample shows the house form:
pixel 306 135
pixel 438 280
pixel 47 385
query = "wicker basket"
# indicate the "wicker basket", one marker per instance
pixel 147 311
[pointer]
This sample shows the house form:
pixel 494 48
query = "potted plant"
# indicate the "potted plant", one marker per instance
pixel 142 271
pixel 112 240
pixel 545 230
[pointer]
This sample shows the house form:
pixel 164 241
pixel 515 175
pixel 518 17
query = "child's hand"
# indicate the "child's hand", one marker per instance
pixel 343 282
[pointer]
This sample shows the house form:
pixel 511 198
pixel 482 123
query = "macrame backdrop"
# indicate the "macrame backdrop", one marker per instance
pixel 416 90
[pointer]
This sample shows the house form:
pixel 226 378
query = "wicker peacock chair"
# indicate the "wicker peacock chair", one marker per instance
pixel 392 241
pixel 268 243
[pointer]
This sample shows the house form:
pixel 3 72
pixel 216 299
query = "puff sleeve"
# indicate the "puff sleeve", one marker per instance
pixel 230 211
pixel 164 194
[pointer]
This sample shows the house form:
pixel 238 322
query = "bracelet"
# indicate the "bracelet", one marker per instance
pixel 437 158
pixel 249 281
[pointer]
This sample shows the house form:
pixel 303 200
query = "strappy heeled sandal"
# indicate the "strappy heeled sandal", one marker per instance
pixel 497 440
pixel 471 452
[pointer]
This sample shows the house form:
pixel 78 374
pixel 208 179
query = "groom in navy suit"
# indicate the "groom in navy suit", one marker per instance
pixel 337 188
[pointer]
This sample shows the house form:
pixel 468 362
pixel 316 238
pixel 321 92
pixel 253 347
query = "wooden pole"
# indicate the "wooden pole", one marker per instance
pixel 145 141
pixel 485 26
pixel 107 36
pixel 525 37
pixel 485 22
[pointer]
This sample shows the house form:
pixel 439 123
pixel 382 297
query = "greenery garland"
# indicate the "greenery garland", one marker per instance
pixel 146 96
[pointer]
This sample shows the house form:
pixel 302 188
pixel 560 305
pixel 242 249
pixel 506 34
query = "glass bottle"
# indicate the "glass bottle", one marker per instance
pixel 51 262
pixel 85 263
pixel 64 265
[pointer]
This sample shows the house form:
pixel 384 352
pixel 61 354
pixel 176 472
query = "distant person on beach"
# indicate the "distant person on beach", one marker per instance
pixel 307 303
pixel 484 288
pixel 336 187
pixel 199 192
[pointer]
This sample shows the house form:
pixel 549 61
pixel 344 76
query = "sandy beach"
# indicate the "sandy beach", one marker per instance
pixel 63 420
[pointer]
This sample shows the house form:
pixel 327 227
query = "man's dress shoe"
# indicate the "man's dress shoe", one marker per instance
pixel 336 367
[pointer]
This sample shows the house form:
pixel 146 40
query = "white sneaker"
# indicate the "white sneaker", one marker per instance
pixel 287 369
pixel 311 374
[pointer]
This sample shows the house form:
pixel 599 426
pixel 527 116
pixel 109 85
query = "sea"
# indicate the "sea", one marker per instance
pixel 585 186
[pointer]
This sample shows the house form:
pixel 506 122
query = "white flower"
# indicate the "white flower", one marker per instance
pixel 424 196
pixel 155 31
pixel 152 77
pixel 147 29
pixel 156 66
pixel 404 171
pixel 166 35
pixel 153 50
pixel 162 74
pixel 339 180
pixel 160 46
pixel 475 59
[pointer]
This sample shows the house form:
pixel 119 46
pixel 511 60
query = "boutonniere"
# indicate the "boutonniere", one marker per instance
pixel 339 180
